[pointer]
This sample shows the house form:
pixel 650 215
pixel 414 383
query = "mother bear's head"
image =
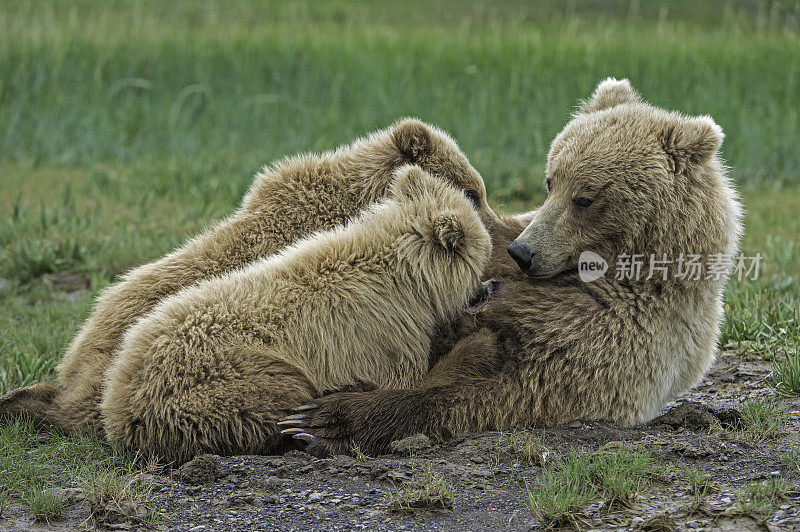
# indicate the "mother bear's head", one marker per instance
pixel 625 177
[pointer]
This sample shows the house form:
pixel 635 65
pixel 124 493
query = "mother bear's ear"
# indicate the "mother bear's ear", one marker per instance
pixel 690 140
pixel 609 93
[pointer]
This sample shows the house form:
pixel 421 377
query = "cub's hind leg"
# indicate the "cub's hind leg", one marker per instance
pixel 226 404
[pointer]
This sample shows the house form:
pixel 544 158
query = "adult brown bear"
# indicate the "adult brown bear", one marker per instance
pixel 625 179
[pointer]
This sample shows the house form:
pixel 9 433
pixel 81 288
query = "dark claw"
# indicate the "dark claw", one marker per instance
pixel 291 423
pixel 306 408
pixel 292 431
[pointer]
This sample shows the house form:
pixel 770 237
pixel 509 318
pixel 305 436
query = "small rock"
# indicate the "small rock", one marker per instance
pixel 197 528
pixel 694 450
pixel 306 469
pixel 68 495
pixel 690 415
pixel 201 469
pixel 244 498
pixel 574 424
pixel 316 497
pixel 415 443
pixel 342 462
pixel 481 473
pixel 377 471
pixel 658 523
pixel 397 475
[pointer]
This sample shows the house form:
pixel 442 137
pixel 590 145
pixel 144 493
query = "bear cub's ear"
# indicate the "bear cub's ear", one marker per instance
pixel 413 138
pixel 690 140
pixel 449 232
pixel 609 93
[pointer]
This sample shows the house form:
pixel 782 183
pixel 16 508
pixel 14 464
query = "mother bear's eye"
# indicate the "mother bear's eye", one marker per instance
pixel 582 202
pixel 473 196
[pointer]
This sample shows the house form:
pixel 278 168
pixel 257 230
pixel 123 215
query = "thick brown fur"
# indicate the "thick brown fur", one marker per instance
pixel 287 201
pixel 212 368
pixel 555 348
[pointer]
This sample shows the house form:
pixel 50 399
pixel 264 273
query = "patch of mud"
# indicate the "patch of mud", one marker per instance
pixel 298 492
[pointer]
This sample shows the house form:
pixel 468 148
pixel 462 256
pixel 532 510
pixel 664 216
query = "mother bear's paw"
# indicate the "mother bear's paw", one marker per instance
pixel 326 427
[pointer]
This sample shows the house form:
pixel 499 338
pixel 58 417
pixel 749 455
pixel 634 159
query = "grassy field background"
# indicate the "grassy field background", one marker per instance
pixel 126 126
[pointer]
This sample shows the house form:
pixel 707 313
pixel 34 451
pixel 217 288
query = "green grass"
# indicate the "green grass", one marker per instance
pixel 761 419
pixel 526 448
pixel 760 498
pixel 701 484
pixel 206 92
pixel 786 375
pixel 699 480
pixel 360 455
pixel 46 505
pixel 427 490
pixel 560 496
pixel 791 459
pixel 127 126
pixel 762 316
pixel 33 464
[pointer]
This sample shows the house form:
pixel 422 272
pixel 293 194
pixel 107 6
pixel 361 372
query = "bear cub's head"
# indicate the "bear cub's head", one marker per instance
pixel 442 214
pixel 624 178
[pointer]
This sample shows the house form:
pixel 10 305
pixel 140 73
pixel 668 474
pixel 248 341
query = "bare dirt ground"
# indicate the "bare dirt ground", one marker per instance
pixel 298 492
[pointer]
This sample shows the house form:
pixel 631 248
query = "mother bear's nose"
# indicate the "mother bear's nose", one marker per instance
pixel 521 253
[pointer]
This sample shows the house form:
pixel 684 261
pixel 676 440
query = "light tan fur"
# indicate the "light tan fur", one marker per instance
pixel 213 367
pixel 287 201
pixel 625 177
